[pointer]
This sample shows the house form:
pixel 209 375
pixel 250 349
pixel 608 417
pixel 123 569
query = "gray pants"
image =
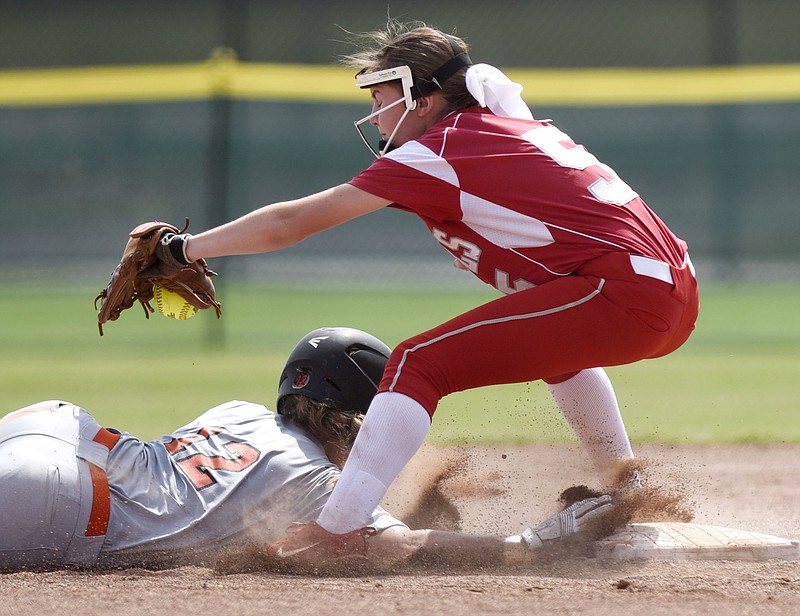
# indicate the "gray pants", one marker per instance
pixel 46 492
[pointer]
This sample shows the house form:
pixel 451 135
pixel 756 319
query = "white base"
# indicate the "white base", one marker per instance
pixel 682 541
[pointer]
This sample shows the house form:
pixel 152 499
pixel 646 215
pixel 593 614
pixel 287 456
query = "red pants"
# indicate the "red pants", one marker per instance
pixel 604 315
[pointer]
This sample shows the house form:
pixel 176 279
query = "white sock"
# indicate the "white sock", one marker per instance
pixel 589 405
pixel 394 428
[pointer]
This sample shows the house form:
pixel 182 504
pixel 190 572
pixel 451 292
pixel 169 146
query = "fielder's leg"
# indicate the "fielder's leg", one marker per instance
pixel 394 428
pixel 588 403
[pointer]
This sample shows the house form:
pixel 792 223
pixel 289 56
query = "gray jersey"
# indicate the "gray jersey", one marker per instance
pixel 238 472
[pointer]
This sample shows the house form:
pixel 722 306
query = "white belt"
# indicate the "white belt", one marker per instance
pixel 657 269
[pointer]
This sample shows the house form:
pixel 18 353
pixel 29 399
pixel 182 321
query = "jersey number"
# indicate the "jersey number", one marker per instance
pixel 469 255
pixel 197 464
pixel 467 252
pixel 560 148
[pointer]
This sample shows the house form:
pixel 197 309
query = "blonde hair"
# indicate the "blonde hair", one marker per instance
pixel 326 425
pixel 420 47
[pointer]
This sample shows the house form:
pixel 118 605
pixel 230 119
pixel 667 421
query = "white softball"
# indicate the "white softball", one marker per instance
pixel 172 305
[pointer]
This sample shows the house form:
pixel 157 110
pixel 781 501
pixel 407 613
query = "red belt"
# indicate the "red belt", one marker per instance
pixel 101 499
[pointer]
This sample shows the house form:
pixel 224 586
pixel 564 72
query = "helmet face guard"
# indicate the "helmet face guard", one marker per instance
pixel 366 80
pixel 411 91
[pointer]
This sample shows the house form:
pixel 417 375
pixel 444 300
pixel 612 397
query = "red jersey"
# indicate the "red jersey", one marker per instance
pixel 517 201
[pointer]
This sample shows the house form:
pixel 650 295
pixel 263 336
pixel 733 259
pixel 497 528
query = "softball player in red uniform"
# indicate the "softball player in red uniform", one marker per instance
pixel 589 276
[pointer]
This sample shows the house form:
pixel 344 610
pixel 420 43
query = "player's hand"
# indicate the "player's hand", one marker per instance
pixel 566 522
pixel 171 250
pixel 170 254
pixel 310 545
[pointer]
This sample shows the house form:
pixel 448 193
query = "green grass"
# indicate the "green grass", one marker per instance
pixel 736 380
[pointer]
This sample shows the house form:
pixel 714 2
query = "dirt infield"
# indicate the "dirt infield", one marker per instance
pixel 497 490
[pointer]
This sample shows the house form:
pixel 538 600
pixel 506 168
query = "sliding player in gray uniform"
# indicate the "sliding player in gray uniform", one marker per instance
pixel 75 493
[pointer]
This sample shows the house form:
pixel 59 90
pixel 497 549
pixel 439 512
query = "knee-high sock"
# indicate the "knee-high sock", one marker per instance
pixel 589 405
pixel 394 428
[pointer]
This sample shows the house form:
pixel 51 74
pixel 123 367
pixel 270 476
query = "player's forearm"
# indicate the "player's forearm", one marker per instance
pixel 283 224
pixel 435 547
pixel 455 548
pixel 262 230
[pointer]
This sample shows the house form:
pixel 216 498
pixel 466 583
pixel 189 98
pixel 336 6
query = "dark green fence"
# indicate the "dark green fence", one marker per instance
pixel 75 179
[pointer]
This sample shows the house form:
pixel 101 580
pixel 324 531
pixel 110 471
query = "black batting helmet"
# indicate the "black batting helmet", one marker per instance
pixel 338 366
